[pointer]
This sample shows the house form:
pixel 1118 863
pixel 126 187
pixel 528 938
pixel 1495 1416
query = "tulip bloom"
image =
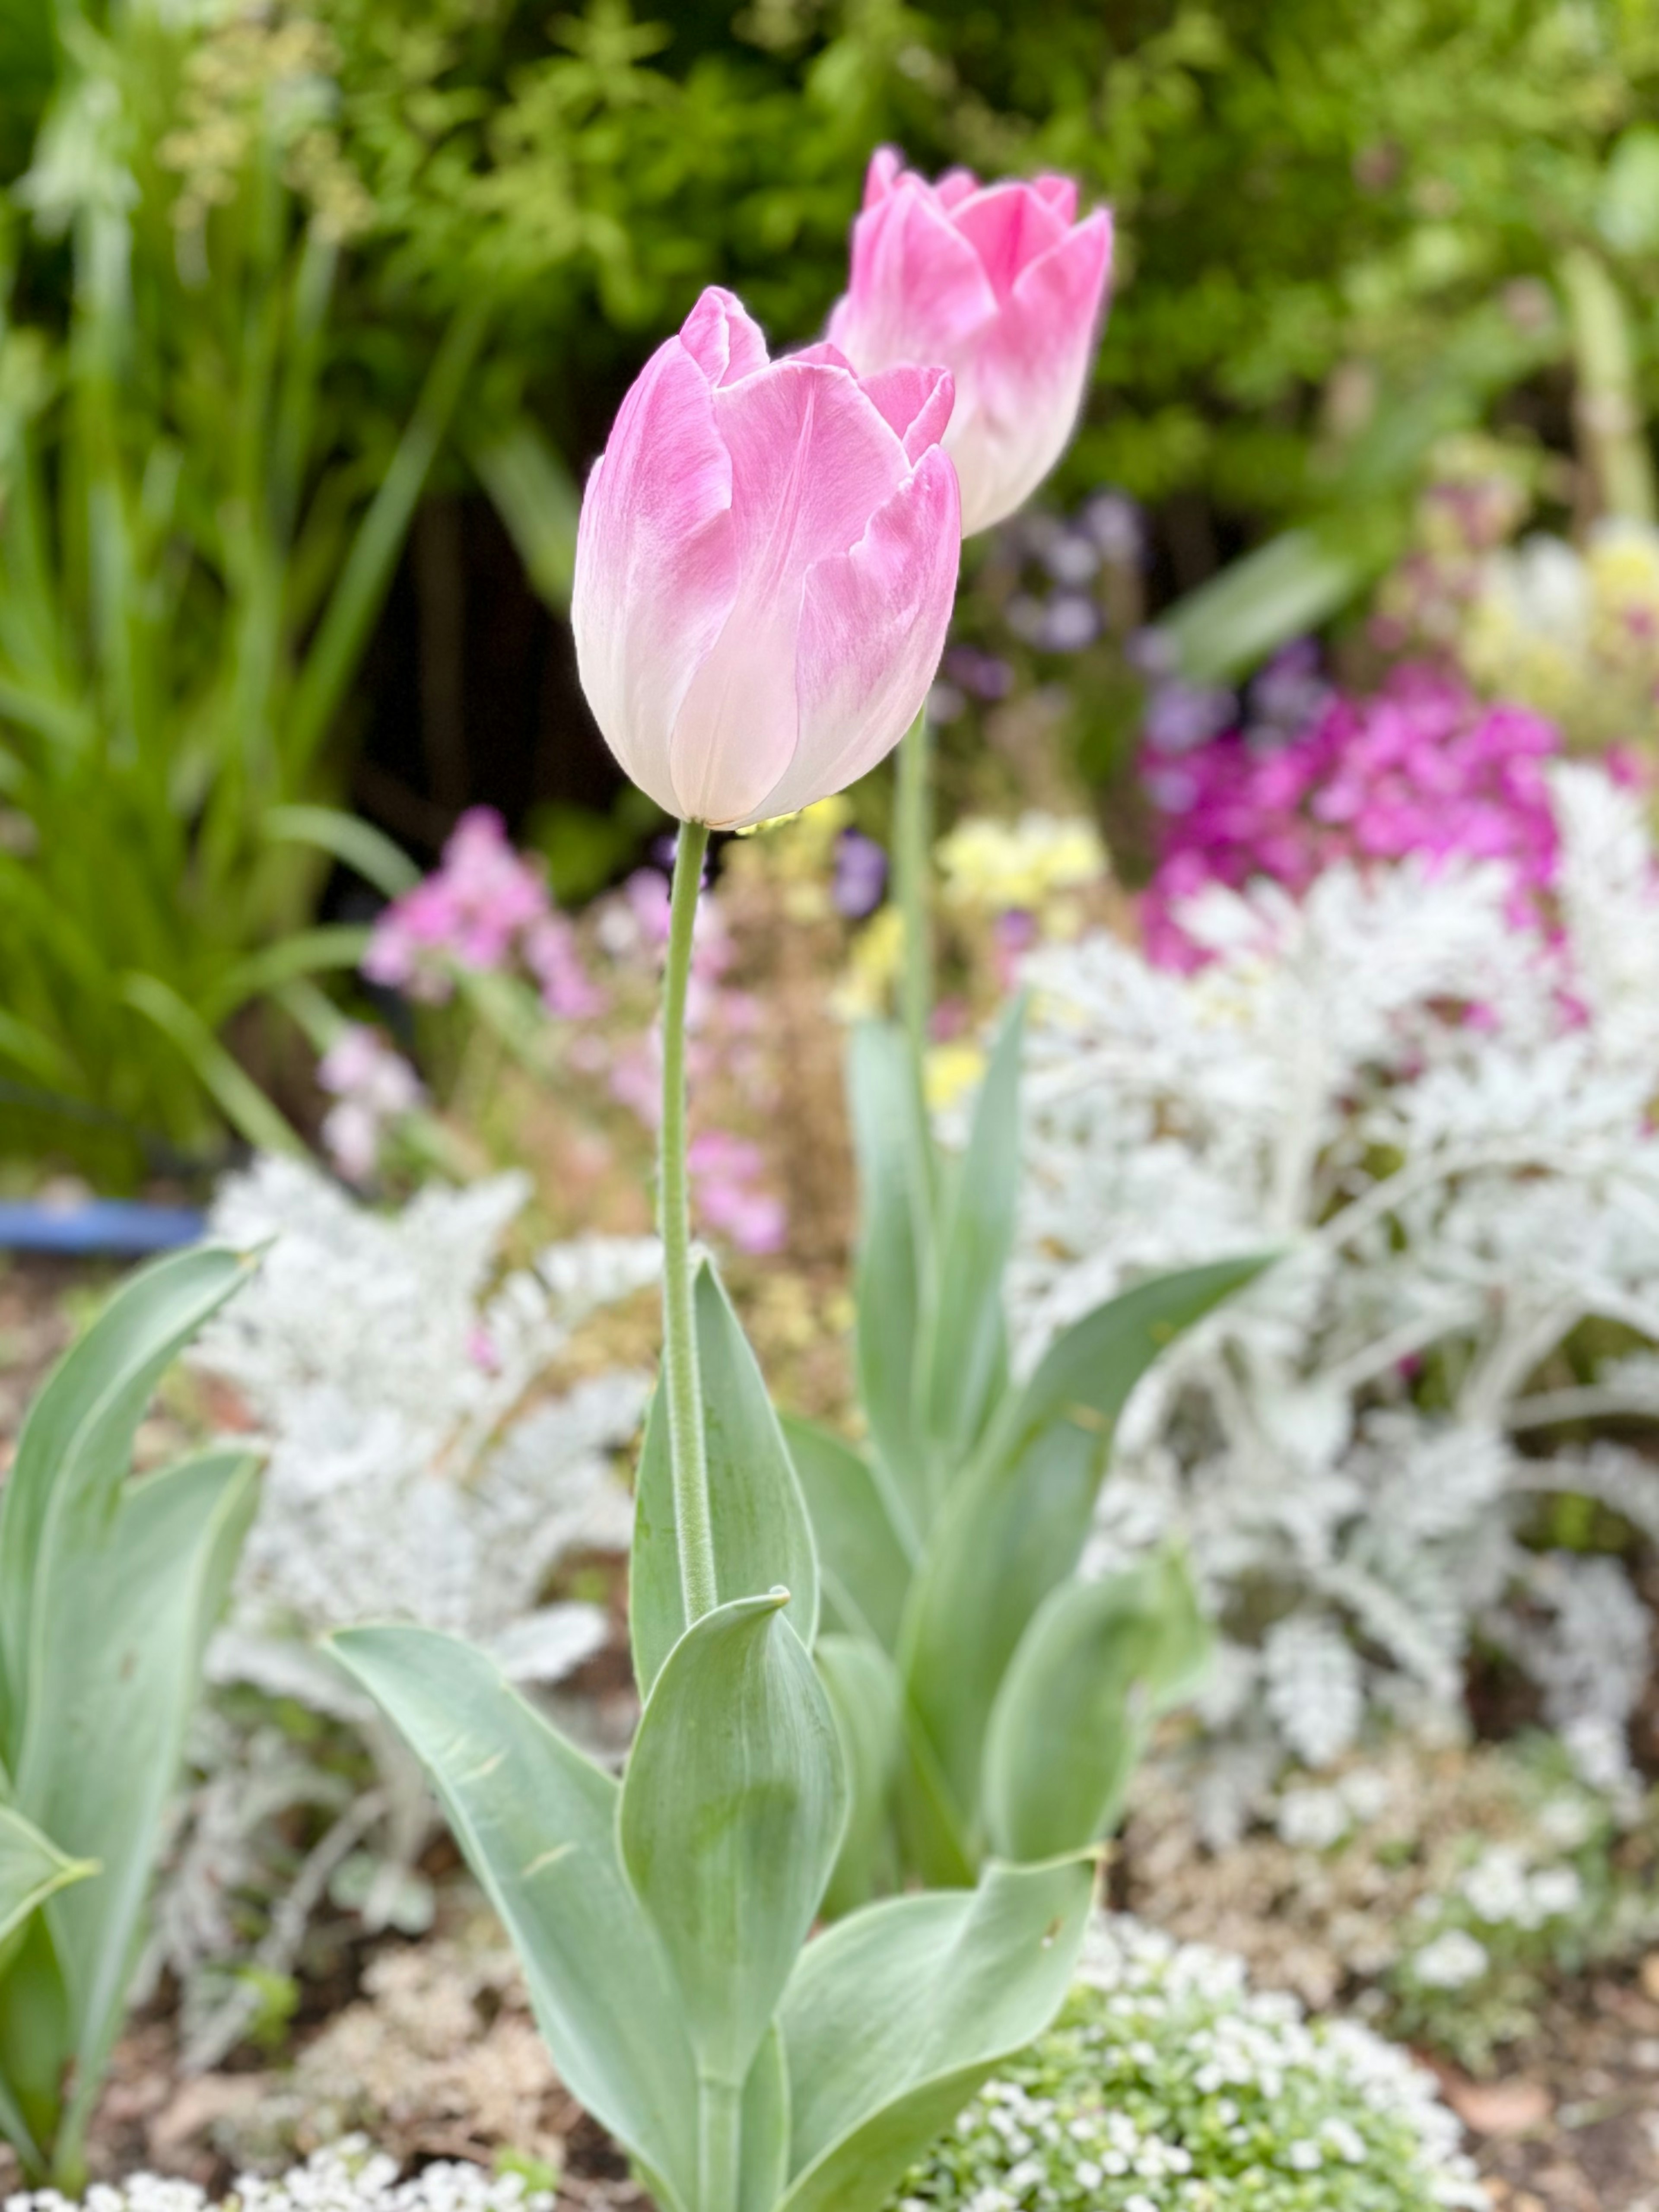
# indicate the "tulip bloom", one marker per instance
pixel 765 565
pixel 1003 286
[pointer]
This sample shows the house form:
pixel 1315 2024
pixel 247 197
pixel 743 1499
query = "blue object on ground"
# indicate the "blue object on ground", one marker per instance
pixel 123 1228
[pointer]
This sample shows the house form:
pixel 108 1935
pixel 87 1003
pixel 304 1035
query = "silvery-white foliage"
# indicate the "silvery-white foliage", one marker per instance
pixel 1440 1117
pixel 395 1373
pixel 388 1365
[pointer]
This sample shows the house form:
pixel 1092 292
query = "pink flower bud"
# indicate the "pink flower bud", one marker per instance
pixel 1000 284
pixel 765 566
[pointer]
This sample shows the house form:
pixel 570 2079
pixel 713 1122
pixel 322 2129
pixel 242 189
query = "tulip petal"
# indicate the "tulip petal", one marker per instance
pixel 955 186
pixel 919 289
pixel 723 338
pixel 811 459
pixel 885 163
pixel 657 567
pixel 872 627
pixel 916 403
pixel 1032 370
pixel 1060 192
pixel 1008 225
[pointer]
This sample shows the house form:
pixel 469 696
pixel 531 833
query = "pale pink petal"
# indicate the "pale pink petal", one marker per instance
pixel 1008 225
pixel 955 186
pixel 915 401
pixel 722 338
pixel 811 459
pixel 872 627
pixel 919 290
pixel 823 355
pixel 1060 192
pixel 657 567
pixel 885 163
pixel 1031 378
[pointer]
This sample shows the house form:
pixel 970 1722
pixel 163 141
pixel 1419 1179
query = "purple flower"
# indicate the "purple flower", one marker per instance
pixel 860 875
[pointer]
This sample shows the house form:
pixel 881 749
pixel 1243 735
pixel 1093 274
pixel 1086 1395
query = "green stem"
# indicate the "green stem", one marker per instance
pixel 912 857
pixel 688 1452
pixel 720 2110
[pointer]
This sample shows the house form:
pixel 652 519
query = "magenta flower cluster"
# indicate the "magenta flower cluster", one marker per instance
pixel 484 908
pixel 1423 767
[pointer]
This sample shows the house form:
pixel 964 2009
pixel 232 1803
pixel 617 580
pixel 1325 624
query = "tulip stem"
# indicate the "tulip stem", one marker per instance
pixel 687 1446
pixel 912 864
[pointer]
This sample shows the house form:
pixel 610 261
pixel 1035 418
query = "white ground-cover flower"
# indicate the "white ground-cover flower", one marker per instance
pixel 1169 2083
pixel 347 2177
pixel 1443 1121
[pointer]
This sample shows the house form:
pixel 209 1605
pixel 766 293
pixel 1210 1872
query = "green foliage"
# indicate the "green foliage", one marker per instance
pixel 662 1923
pixel 193 546
pixel 1001 1704
pixel 109 1587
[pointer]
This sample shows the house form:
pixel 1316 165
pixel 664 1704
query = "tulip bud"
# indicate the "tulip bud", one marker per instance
pixel 765 566
pixel 1000 284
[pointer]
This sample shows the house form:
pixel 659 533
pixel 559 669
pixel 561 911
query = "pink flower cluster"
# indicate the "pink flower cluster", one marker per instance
pixel 1424 768
pixel 372 1087
pixel 485 908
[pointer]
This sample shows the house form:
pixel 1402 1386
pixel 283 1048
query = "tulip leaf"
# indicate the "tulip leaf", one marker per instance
pixel 867 1701
pixel 1098 1663
pixel 32 1869
pixel 765 2168
pixel 967 1354
pixel 895 1163
pixel 731 1815
pixel 538 1823
pixel 762 1536
pixel 893 2017
pixel 76 1446
pixel 1015 1526
pixel 126 1621
pixel 864 1566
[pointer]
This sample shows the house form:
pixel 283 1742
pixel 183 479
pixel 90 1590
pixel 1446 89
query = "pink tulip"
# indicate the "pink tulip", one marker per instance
pixel 1003 286
pixel 765 565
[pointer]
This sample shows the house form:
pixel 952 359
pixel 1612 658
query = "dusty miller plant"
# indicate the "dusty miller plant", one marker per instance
pixel 1439 1109
pixel 416 1471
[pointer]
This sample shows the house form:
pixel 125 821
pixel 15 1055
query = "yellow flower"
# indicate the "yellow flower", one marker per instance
pixel 953 1070
pixel 872 963
pixel 1001 867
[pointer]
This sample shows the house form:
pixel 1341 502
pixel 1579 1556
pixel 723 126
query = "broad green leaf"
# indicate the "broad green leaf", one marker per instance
pixel 345 837
pixel 535 496
pixel 765 2168
pixel 37 2037
pixel 124 1621
pixel 868 1704
pixel 1097 1664
pixel 538 1823
pixel 893 1146
pixel 1090 1368
pixel 893 2017
pixel 1259 602
pixel 762 1537
pixel 32 1869
pixel 966 1359
pixel 732 1815
pixel 863 1564
pixel 1015 1526
pixel 76 1446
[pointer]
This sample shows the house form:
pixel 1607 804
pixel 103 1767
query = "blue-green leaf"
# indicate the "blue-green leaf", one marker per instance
pixel 894 2016
pixel 762 1536
pixel 864 1565
pixel 894 1149
pixel 868 1704
pixel 732 1815
pixel 966 1352
pixel 1098 1662
pixel 538 1823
